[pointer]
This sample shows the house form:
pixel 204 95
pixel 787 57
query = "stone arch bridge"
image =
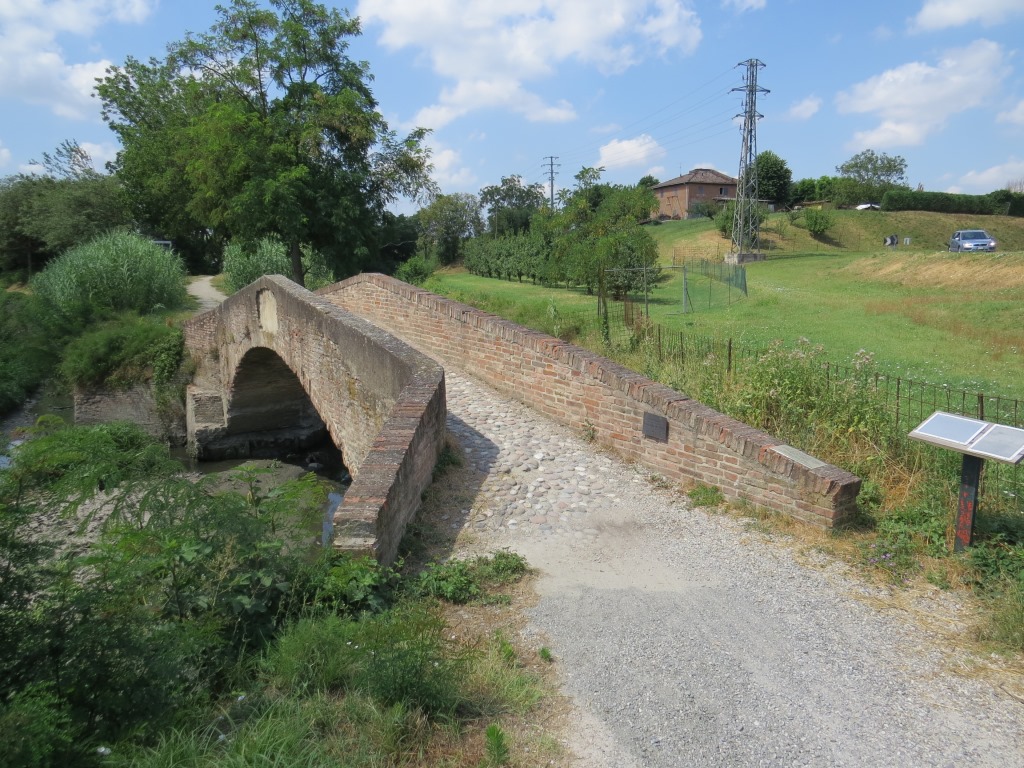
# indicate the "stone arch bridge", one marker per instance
pixel 278 366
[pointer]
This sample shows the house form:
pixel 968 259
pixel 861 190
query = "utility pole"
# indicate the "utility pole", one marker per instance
pixel 746 225
pixel 551 176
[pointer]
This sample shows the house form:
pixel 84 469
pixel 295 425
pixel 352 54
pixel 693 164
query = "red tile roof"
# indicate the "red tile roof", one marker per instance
pixel 698 176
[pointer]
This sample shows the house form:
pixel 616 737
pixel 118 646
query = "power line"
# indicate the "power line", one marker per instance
pixel 644 124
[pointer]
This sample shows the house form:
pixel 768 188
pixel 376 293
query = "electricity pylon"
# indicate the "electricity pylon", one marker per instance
pixel 746 224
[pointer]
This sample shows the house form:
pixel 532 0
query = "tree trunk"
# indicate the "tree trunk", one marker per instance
pixel 295 253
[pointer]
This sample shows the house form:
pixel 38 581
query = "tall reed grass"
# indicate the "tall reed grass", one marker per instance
pixel 245 262
pixel 113 272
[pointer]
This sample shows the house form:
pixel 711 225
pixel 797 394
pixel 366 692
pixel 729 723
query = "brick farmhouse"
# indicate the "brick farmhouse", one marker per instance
pixel 677 196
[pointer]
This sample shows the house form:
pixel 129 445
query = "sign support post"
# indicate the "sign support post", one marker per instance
pixel 970 477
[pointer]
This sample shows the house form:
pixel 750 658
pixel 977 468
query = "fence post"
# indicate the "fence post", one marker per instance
pixel 728 364
pixel 898 382
pixel 981 406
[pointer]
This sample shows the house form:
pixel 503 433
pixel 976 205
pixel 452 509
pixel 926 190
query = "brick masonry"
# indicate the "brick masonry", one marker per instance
pixel 585 391
pixel 382 402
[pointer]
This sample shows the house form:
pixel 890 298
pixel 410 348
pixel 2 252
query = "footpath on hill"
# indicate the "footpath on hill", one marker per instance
pixel 684 638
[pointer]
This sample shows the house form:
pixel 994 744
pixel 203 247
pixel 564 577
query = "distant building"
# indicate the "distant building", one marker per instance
pixel 677 196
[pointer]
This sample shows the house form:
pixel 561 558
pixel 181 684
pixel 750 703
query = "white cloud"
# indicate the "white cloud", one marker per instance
pixel 5 155
pixel 100 154
pixel 1014 116
pixel 626 153
pixel 804 109
pixel 469 95
pixel 449 172
pixel 745 5
pixel 996 177
pixel 488 51
pixel 33 68
pixel 916 99
pixel 657 171
pixel 942 14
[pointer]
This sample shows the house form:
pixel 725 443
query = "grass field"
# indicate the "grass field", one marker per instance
pixel 928 315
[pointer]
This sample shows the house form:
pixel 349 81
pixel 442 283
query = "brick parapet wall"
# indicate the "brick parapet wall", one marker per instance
pixel 585 391
pixel 390 442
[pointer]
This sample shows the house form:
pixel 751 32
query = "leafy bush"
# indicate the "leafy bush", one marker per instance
pixel 123 354
pixel 31 337
pixel 818 221
pixel 245 262
pixel 417 269
pixel 113 272
pixel 463 581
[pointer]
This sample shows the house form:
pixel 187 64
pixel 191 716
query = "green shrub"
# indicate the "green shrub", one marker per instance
pixel 122 354
pixel 818 221
pixel 245 262
pixel 941 202
pixel 451 581
pixel 31 337
pixel 463 581
pixel 417 269
pixel 35 729
pixel 113 272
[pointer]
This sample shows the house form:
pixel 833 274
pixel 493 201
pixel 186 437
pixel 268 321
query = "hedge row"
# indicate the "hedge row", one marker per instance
pixel 1002 202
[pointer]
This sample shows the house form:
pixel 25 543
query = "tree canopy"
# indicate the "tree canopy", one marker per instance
pixel 263 126
pixel 774 178
pixel 511 204
pixel 67 204
pixel 867 176
pixel 447 223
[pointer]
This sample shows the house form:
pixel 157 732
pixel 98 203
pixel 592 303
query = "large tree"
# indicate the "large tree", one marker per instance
pixel 447 223
pixel 264 126
pixel 867 176
pixel 511 204
pixel 774 178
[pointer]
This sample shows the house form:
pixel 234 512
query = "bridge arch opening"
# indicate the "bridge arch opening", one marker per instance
pixel 269 414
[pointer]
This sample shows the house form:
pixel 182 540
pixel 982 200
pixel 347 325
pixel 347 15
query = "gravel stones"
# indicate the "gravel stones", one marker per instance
pixel 686 639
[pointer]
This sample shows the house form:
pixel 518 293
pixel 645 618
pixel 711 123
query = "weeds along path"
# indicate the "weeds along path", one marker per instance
pixel 686 638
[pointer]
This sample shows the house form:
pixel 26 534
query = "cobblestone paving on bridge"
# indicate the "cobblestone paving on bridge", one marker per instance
pixel 539 478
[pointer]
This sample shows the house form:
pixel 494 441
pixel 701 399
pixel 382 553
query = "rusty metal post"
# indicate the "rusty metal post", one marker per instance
pixel 967 506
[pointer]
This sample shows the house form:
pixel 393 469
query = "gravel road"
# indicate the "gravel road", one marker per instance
pixel 687 639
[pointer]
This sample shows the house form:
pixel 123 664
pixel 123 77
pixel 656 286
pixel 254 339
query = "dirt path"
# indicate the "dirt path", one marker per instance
pixel 203 289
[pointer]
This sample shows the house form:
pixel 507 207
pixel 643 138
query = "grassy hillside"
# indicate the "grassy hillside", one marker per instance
pixel 938 317
pixel 860 231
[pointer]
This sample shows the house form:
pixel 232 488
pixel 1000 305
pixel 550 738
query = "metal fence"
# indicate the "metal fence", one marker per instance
pixel 907 401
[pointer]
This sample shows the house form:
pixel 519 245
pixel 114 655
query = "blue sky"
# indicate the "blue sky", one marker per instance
pixel 636 86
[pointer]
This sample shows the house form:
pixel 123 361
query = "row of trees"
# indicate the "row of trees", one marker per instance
pixel 595 232
pixel 865 177
pixel 67 203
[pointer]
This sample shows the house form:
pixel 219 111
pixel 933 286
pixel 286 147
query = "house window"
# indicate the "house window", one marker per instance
pixel 700 191
pixel 721 191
